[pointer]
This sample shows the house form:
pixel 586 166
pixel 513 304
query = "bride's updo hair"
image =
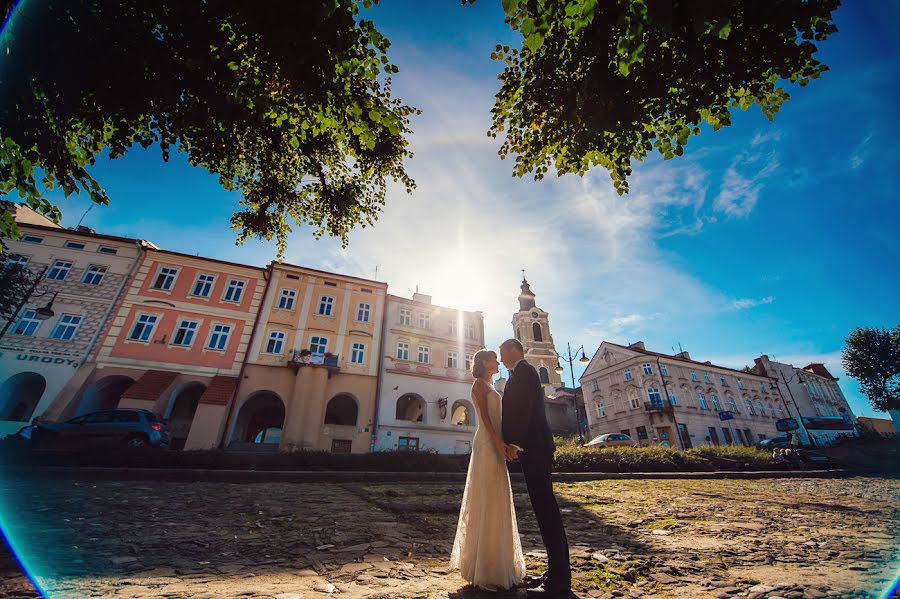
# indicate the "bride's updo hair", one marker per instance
pixel 478 361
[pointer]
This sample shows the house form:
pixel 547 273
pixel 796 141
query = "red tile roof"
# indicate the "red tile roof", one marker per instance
pixel 220 390
pixel 151 385
pixel 819 368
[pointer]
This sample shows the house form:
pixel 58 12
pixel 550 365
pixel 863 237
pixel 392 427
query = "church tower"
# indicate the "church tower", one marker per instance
pixel 531 326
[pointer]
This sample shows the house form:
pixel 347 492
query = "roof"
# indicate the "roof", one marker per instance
pixel 82 233
pixel 334 274
pixel 206 259
pixel 406 300
pixel 819 369
pixel 686 360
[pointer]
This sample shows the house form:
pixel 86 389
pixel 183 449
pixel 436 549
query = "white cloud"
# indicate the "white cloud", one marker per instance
pixel 743 304
pixel 742 183
pixel 860 153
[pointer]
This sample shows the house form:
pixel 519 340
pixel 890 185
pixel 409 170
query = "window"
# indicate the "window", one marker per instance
pixel 647 368
pixel 627 374
pixel 423 356
pixel 103 249
pixel 28 324
pixel 732 404
pixel 641 433
pixel 706 378
pixel 635 402
pixel 595 385
pixel 781 413
pixel 326 305
pixel 94 274
pixel 713 435
pixel 626 432
pixel 694 376
pixel 218 339
pixel 452 326
pixel 275 344
pixel 452 359
pixel 544 375
pixel 234 291
pixel 203 285
pixel 358 353
pixel 143 327
pixel 750 408
pixel 536 332
pixel 663 370
pixel 470 331
pixel 727 434
pixel 32 239
pixel 701 401
pixel 468 361
pixel 717 406
pixel 762 410
pixel 330 284
pixel 601 410
pixel 165 278
pixel 740 384
pixel 59 270
pixel 402 351
pixel 184 334
pixel 74 245
pixel 405 316
pixel 654 396
pixel 740 437
pixel 424 321
pixel 762 387
pixel 408 443
pixel 318 345
pixel 772 410
pixel 16 260
pixel 724 382
pixel 286 301
pixel 673 399
pixel 362 312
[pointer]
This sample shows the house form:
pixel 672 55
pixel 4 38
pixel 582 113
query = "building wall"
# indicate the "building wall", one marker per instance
pixel 443 388
pixel 306 385
pixel 882 426
pixel 615 403
pixel 56 361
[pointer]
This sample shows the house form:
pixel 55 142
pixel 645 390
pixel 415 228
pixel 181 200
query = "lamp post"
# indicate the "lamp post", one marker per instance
pixel 570 359
pixel 812 440
pixel 42 313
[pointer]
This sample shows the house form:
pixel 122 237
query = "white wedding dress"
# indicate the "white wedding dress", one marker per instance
pixel 487 550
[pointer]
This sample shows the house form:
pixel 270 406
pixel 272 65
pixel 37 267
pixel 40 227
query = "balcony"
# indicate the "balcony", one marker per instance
pixel 664 406
pixel 301 358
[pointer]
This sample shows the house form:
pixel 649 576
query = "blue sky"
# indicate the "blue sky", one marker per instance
pixel 774 238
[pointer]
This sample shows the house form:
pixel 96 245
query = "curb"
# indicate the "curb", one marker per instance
pixel 305 476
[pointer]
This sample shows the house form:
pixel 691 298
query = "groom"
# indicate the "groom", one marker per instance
pixel 525 425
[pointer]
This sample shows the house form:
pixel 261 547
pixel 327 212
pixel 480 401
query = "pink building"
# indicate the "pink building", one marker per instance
pixel 176 346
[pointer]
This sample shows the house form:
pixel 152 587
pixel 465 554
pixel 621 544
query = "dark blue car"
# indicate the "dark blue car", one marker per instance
pixel 122 427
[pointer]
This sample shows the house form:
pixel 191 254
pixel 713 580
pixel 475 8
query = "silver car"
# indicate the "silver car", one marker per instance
pixel 611 440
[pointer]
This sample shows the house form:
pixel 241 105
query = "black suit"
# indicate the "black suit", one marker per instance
pixel 525 425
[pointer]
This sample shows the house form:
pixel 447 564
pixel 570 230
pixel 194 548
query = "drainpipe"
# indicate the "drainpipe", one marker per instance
pixel 379 378
pixel 680 441
pixel 268 274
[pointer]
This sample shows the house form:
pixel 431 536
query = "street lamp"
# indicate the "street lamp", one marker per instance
pixel 570 359
pixel 812 440
pixel 43 313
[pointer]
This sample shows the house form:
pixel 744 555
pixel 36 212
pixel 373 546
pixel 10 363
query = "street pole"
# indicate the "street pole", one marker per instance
pixel 571 360
pixel 812 440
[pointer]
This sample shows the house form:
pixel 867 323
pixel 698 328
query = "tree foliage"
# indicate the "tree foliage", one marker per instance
pixel 872 357
pixel 288 102
pixel 15 284
pixel 604 82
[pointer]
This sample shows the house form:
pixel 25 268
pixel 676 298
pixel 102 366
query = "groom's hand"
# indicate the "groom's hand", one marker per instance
pixel 512 452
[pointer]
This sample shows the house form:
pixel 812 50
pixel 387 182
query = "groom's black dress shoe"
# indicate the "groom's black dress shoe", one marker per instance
pixel 549 590
pixel 531 582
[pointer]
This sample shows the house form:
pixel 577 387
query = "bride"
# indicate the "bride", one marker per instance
pixel 487 550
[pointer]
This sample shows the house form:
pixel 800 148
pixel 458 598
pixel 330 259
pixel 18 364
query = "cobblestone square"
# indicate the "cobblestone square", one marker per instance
pixel 790 538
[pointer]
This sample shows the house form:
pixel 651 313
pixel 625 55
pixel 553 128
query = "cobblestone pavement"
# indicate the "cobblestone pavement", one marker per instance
pixel 788 538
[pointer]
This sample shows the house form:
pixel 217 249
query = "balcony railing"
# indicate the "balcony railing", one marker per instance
pixel 300 358
pixel 659 406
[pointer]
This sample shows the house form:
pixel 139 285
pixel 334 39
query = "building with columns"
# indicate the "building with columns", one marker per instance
pixel 813 397
pixel 311 376
pixel 425 390
pixel 79 277
pixel 672 400
pixel 175 346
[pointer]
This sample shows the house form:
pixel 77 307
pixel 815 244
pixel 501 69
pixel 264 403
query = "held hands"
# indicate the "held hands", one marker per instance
pixel 511 452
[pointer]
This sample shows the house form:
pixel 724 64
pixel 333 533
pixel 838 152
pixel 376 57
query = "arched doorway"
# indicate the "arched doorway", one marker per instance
pixel 411 407
pixel 103 394
pixel 19 396
pixel 462 413
pixel 259 421
pixel 181 412
pixel 536 331
pixel 342 410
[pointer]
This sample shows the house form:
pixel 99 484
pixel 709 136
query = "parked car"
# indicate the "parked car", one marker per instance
pixel 611 440
pixel 773 442
pixel 129 428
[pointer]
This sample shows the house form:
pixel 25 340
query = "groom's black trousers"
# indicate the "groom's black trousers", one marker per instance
pixel 549 518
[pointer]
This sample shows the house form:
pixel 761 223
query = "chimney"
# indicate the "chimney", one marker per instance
pixel 638 345
pixel 421 297
pixel 684 355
